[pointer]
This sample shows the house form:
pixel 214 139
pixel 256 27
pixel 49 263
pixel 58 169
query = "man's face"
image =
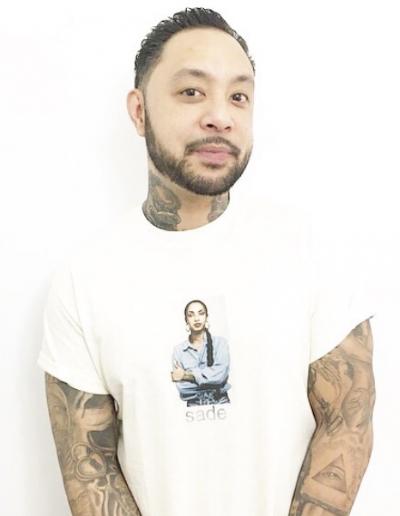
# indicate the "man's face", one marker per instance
pixel 200 93
pixel 196 317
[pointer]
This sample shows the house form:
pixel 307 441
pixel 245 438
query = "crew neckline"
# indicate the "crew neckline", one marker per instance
pixel 206 229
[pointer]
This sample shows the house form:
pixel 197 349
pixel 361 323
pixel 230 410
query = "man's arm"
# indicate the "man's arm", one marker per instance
pixel 341 390
pixel 86 435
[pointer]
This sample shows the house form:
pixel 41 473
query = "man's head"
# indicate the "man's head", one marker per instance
pixel 194 87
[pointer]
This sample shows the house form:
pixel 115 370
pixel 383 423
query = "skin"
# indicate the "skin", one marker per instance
pixel 178 114
pixel 86 433
pixel 195 314
pixel 341 391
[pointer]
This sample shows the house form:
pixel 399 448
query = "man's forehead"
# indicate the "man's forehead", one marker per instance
pixel 200 51
pixel 210 76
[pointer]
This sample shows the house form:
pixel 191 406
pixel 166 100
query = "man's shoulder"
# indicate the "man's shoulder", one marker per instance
pixel 269 220
pixel 108 241
pixel 280 212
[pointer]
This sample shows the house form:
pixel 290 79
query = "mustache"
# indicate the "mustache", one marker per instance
pixel 217 140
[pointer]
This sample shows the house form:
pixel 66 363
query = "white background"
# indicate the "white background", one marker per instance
pixel 327 127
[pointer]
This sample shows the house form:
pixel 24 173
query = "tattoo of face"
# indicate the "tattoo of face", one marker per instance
pixel 343 387
pixel 162 205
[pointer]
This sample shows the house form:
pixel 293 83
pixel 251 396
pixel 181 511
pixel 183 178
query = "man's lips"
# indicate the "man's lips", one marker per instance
pixel 214 154
pixel 214 148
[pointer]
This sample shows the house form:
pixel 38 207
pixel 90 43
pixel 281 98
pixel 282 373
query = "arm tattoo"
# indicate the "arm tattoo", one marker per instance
pixel 341 390
pixel 85 431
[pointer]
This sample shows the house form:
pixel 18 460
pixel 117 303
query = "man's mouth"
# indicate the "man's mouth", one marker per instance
pixel 209 156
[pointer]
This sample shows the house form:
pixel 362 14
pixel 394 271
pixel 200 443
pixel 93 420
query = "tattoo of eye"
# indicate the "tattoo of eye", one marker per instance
pixel 333 475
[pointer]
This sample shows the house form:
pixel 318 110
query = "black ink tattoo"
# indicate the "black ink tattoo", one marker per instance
pixel 162 205
pixel 333 475
pixel 219 204
pixel 85 431
pixel 341 390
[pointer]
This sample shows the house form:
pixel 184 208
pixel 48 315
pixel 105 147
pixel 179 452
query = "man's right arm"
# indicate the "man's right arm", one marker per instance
pixel 85 431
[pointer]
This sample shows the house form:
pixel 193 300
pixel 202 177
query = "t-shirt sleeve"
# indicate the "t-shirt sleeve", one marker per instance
pixel 342 297
pixel 65 352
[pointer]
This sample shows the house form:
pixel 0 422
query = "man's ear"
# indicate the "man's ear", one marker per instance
pixel 135 105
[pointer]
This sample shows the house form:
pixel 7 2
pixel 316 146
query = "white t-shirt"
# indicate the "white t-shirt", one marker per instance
pixel 114 323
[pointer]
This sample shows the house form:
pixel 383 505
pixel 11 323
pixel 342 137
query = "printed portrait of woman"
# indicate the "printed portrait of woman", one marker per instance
pixel 201 362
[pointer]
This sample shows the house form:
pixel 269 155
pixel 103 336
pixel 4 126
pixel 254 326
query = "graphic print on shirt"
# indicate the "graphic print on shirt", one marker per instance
pixel 200 364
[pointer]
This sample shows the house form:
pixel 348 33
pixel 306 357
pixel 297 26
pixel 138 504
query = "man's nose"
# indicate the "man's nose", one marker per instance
pixel 217 117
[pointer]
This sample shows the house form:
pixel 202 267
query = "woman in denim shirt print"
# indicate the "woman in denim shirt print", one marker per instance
pixel 201 362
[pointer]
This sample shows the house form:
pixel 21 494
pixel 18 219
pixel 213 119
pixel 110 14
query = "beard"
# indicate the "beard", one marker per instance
pixel 180 172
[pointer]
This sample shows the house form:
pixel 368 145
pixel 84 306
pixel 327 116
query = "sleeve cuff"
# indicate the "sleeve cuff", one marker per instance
pixel 74 380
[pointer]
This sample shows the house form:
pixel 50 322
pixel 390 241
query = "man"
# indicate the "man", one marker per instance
pixel 296 436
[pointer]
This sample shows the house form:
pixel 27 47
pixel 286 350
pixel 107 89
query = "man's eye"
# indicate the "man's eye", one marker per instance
pixel 238 94
pixel 191 92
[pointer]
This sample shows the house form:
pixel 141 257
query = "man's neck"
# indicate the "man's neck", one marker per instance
pixel 171 207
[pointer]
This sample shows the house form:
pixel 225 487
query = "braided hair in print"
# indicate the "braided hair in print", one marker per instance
pixel 210 350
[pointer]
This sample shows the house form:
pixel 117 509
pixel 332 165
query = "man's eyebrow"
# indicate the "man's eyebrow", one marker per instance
pixel 196 72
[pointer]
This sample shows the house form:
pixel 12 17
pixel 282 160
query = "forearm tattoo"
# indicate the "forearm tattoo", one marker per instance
pixel 85 431
pixel 341 390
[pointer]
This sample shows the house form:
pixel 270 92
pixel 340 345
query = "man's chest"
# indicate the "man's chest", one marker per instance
pixel 258 302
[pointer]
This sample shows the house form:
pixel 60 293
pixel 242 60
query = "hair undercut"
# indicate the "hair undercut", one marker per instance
pixel 152 45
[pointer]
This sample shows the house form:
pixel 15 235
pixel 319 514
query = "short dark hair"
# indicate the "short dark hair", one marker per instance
pixel 152 45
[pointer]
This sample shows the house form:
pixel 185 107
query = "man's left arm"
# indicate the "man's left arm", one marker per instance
pixel 341 391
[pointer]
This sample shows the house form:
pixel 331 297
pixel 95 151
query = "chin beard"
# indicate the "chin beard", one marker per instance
pixel 182 174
